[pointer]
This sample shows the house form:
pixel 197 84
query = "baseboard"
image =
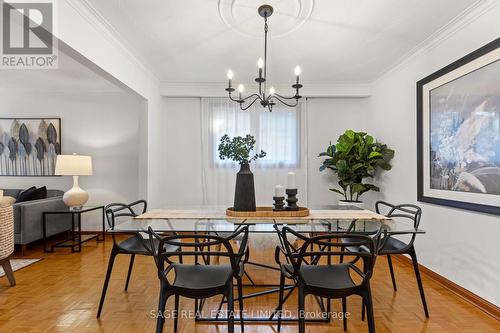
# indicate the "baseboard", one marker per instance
pixel 463 293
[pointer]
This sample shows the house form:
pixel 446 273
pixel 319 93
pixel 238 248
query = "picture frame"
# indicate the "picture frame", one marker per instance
pixel 29 146
pixel 458 133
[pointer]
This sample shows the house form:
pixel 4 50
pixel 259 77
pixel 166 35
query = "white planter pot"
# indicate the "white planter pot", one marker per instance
pixel 358 204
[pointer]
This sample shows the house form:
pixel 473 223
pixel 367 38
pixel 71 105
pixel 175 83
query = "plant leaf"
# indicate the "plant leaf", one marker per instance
pixel 337 191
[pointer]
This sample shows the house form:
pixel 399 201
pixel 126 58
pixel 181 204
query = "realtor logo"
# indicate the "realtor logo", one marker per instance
pixel 27 35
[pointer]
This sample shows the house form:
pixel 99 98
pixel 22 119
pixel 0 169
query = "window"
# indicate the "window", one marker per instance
pixel 277 132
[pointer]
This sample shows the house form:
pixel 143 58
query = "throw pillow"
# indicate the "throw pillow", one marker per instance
pixel 32 194
pixel 23 195
pixel 39 193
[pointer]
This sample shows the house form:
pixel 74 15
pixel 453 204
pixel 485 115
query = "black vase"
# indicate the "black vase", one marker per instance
pixel 244 195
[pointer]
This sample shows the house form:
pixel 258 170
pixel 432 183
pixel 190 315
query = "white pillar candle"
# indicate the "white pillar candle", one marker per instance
pixel 279 191
pixel 291 180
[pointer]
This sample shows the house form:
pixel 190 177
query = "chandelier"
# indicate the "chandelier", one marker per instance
pixel 272 97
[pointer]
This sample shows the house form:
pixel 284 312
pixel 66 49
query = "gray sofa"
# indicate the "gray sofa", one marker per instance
pixel 28 224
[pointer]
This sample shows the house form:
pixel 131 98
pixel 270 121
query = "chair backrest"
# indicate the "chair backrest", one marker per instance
pixel 116 210
pixel 409 212
pixel 330 245
pixel 196 245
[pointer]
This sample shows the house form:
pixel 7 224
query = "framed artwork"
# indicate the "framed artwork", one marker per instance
pixel 458 133
pixel 29 146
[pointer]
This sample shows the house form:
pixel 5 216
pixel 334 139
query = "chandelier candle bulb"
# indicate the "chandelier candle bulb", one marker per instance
pixel 272 91
pixel 260 65
pixel 241 89
pixel 291 181
pixel 297 72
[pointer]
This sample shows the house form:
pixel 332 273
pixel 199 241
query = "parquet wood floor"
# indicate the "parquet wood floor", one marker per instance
pixel 61 294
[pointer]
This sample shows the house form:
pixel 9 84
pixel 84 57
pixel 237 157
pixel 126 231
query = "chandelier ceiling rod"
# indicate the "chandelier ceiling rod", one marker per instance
pixel 268 101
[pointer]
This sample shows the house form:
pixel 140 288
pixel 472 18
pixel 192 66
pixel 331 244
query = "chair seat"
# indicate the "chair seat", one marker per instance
pixel 327 277
pixel 333 277
pixel 200 277
pixel 136 246
pixel 392 245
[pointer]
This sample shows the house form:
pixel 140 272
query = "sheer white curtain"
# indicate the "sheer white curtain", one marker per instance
pixel 281 134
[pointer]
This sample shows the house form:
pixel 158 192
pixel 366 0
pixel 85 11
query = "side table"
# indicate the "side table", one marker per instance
pixel 77 239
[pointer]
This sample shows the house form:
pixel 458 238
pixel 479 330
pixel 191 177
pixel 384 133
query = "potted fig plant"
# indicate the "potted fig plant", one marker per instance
pixel 238 149
pixel 355 157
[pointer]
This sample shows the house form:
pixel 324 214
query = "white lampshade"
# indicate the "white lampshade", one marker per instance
pixel 73 165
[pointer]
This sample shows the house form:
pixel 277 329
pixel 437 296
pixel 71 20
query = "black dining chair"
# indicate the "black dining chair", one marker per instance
pixel 391 245
pixel 199 280
pixel 313 275
pixel 133 245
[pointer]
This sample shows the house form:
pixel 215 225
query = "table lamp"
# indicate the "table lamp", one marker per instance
pixel 74 165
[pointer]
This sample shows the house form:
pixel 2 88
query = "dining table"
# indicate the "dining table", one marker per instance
pixel 321 220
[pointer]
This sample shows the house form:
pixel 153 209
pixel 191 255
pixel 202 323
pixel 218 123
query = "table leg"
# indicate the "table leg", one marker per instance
pixel 44 219
pixel 79 216
pixel 73 232
pixel 103 226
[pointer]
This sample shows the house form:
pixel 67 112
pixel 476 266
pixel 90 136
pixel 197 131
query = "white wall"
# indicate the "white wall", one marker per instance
pixel 103 125
pixel 96 44
pixel 459 245
pixel 325 118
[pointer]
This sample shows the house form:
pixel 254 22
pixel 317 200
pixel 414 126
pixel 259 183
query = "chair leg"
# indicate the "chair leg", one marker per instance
pixel 176 313
pixel 363 303
pixel 230 308
pixel 7 268
pixel 180 256
pixel 160 321
pixel 413 255
pixel 106 280
pixel 391 269
pixel 280 300
pixel 132 257
pixel 363 309
pixel 344 311
pixel 369 311
pixel 240 301
pixel 301 312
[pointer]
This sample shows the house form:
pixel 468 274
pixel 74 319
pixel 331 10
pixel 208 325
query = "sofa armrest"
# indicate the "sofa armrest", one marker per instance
pixel 28 219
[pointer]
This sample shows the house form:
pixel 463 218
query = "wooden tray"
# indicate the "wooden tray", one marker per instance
pixel 269 213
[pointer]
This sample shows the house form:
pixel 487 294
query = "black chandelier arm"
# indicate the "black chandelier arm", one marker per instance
pixel 284 97
pixel 287 104
pixel 250 96
pixel 249 105
pixel 243 100
pixel 234 100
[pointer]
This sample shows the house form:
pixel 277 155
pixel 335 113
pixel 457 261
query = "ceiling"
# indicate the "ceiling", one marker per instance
pixel 332 40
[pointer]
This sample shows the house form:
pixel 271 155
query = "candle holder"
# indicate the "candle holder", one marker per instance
pixel 279 204
pixel 291 199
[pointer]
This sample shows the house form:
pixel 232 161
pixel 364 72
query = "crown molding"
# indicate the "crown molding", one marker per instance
pixel 310 89
pixel 106 29
pixel 469 15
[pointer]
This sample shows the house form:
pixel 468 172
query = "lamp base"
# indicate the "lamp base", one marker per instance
pixel 75 197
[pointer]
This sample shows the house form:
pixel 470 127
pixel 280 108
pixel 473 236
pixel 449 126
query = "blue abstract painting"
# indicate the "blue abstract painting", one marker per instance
pixel 465 133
